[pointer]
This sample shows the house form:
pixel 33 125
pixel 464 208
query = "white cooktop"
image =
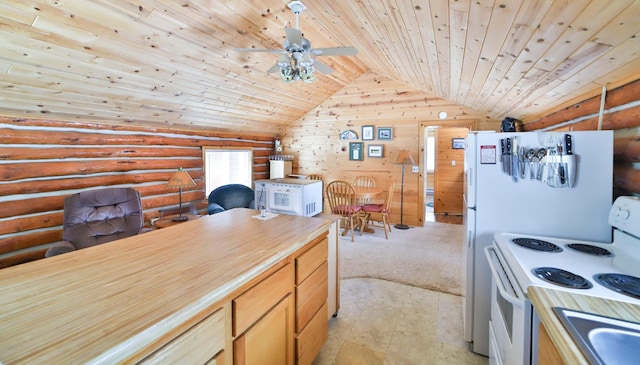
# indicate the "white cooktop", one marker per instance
pixel 579 263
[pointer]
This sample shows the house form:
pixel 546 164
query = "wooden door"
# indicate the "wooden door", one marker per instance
pixel 449 171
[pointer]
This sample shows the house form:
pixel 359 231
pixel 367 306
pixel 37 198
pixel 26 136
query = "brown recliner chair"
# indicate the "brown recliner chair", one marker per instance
pixel 98 216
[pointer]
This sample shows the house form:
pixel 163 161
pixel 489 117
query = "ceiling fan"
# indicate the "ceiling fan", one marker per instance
pixel 296 61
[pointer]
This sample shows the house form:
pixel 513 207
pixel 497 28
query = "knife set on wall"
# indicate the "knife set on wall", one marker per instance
pixel 554 165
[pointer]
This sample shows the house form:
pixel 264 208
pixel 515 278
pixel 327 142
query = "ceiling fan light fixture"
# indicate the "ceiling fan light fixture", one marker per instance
pixel 305 60
pixel 287 73
pixel 284 61
pixel 307 73
pixel 296 60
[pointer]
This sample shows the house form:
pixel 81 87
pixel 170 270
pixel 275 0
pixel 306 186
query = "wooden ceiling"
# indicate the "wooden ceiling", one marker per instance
pixel 171 63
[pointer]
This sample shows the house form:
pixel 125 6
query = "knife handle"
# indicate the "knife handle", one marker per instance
pixel 568 144
pixel 503 147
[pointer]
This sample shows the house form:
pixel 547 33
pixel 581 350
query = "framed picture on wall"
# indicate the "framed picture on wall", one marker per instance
pixel 385 133
pixel 367 133
pixel 457 143
pixel 356 151
pixel 375 150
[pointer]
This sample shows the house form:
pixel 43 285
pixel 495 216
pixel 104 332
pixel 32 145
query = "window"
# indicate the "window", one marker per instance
pixel 224 166
pixel 431 153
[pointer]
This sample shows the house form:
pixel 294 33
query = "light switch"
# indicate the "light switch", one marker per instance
pixel 415 169
pixel 453 162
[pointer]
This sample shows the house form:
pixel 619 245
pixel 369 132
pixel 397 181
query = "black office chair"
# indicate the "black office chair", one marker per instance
pixel 230 196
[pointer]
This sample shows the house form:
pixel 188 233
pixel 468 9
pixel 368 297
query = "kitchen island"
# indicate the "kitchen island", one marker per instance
pixel 209 290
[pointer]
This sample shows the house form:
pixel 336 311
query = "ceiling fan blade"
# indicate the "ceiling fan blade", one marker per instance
pixel 274 68
pixel 335 51
pixel 322 67
pixel 259 50
pixel 294 36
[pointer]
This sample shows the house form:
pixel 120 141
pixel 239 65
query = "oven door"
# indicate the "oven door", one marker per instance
pixel 510 315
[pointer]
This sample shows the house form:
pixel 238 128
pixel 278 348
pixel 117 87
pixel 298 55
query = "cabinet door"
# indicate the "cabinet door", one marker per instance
pixel 270 340
pixel 198 345
pixel 547 351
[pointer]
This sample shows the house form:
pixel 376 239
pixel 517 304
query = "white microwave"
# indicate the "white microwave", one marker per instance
pixel 289 196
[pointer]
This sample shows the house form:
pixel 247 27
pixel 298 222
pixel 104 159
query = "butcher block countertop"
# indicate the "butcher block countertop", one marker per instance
pixel 544 299
pixel 102 304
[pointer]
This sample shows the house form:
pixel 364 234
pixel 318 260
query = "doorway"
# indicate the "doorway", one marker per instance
pixel 429 159
pixel 443 166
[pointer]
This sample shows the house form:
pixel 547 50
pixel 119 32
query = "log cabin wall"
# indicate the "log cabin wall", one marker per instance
pixel 43 162
pixel 620 113
pixel 315 141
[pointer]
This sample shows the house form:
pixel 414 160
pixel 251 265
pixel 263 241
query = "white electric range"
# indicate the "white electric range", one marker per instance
pixel 607 270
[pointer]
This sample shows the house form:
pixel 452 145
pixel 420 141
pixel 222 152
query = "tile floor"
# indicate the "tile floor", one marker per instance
pixel 382 322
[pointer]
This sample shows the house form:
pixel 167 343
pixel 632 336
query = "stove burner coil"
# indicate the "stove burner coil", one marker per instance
pixel 623 284
pixel 590 249
pixel 538 245
pixel 562 277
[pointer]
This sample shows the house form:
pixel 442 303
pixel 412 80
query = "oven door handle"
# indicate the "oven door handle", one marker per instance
pixel 508 292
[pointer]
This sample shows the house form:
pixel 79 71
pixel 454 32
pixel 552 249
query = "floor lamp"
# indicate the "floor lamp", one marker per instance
pixel 404 158
pixel 180 179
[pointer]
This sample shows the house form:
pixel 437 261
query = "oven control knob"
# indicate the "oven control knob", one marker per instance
pixel 622 213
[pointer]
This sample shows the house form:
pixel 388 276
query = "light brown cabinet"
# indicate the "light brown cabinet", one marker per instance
pixel 547 352
pixel 263 321
pixel 269 341
pixel 312 326
pixel 198 345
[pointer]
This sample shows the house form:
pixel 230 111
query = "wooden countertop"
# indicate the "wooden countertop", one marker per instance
pixel 544 299
pixel 98 305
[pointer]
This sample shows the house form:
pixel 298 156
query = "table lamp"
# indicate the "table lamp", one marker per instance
pixel 404 158
pixel 180 179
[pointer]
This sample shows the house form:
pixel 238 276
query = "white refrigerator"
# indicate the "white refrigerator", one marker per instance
pixel 565 191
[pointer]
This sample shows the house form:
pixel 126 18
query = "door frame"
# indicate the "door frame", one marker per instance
pixel 471 124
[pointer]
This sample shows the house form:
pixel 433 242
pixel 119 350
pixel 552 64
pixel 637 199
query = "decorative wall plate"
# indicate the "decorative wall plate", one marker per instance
pixel 348 134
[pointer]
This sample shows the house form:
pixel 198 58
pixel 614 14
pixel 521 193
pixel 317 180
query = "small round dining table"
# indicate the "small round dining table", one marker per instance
pixel 364 192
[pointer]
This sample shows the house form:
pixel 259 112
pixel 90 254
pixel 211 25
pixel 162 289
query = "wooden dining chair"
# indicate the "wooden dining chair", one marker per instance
pixel 364 181
pixel 379 213
pixel 315 177
pixel 341 197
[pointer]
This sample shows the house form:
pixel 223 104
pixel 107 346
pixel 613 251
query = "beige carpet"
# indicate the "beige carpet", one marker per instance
pixel 428 257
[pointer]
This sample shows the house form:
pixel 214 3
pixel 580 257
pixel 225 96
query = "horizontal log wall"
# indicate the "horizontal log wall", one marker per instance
pixel 621 113
pixel 42 162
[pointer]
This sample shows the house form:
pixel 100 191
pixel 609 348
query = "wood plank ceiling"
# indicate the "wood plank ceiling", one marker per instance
pixel 171 63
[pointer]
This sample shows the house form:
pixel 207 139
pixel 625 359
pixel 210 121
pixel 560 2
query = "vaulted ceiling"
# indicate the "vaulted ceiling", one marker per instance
pixel 173 64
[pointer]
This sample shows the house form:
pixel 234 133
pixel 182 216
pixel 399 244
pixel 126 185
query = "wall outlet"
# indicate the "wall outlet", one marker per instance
pixel 415 169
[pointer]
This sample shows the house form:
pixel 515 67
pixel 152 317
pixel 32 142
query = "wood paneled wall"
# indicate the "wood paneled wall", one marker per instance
pixel 381 102
pixel 43 162
pixel 621 113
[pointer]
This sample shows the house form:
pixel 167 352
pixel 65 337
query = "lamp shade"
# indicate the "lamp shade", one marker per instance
pixel 180 179
pixel 404 158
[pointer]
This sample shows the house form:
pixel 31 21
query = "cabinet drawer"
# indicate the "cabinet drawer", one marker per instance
pixel 310 260
pixel 311 295
pixel 310 341
pixel 259 299
pixel 198 345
